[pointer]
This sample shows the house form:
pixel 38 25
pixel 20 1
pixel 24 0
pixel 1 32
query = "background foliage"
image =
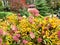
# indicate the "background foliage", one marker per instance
pixel 42 6
pixel 1 7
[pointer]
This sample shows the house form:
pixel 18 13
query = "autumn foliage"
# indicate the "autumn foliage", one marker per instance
pixel 17 4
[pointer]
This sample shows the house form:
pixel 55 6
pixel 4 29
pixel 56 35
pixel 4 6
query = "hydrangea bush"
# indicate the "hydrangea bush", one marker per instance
pixel 32 30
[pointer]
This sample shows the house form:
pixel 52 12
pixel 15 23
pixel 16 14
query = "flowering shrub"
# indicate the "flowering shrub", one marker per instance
pixel 17 30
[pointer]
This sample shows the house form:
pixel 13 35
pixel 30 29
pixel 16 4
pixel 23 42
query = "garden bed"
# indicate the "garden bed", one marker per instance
pixel 32 30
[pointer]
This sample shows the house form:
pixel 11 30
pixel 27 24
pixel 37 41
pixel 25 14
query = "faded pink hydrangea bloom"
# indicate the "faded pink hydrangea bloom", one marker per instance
pixel 32 35
pixel 25 41
pixel 58 33
pixel 20 18
pixel 33 11
pixel 0 40
pixel 1 32
pixel 5 44
pixel 15 38
pixel 39 40
pixel 18 35
pixel 4 33
pixel 31 19
pixel 14 28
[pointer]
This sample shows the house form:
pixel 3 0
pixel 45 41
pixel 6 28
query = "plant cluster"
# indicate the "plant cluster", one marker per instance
pixel 32 30
pixel 42 6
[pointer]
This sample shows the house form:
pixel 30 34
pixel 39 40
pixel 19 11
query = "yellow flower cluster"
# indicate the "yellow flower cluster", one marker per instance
pixel 46 27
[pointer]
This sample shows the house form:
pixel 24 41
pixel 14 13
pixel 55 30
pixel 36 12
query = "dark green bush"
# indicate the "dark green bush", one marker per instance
pixel 42 6
pixel 24 12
